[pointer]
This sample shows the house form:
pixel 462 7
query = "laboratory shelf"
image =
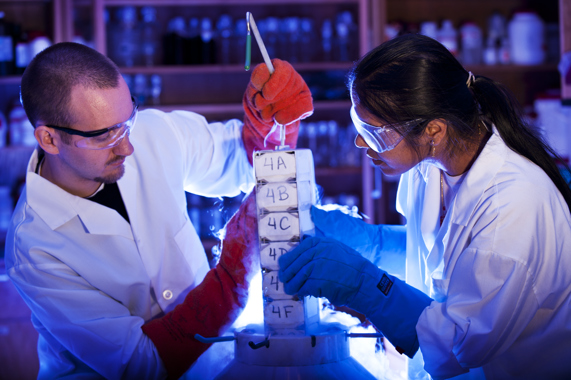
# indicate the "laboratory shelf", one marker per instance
pixel 237 109
pixel 215 2
pixel 11 79
pixel 234 68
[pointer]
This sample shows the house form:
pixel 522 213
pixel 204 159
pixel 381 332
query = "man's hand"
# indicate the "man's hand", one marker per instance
pixel 213 305
pixel 282 97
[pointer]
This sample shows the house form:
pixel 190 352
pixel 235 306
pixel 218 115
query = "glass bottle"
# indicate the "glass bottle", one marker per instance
pixel 224 27
pixel 174 42
pixel 149 36
pixel 326 40
pixel 6 47
pixel 208 44
pixel 125 38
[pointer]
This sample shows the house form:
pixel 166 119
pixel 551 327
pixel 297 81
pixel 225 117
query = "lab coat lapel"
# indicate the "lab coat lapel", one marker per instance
pixel 477 179
pixel 429 224
pixel 128 189
pixel 464 203
pixel 56 207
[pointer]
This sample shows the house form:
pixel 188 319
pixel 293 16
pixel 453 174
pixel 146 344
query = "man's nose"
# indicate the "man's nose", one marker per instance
pixel 124 148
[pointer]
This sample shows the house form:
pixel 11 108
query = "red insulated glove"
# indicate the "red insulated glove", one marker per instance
pixel 282 97
pixel 214 304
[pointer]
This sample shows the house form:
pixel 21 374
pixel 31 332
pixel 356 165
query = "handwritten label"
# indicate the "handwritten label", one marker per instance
pixel 277 196
pixel 273 287
pixel 279 163
pixel 278 226
pixel 284 313
pixel 271 252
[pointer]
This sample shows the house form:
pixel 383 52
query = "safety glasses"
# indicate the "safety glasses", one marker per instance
pixel 380 139
pixel 103 138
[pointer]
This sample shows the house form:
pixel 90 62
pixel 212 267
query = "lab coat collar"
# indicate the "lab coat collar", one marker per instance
pixel 56 206
pixel 469 194
pixel 478 178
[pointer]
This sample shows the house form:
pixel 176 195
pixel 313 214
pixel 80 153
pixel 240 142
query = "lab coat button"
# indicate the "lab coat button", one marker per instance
pixel 167 294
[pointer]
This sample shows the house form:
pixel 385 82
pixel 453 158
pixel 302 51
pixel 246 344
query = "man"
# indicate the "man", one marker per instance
pixel 100 245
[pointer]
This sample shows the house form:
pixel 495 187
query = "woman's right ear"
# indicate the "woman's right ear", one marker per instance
pixel 46 139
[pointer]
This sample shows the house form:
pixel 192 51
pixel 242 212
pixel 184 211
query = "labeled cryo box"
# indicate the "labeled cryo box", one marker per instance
pixel 285 192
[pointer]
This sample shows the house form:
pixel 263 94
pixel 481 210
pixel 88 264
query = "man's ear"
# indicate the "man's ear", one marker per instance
pixel 46 137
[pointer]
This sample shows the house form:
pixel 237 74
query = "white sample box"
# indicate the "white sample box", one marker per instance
pixel 271 252
pixel 272 287
pixel 285 192
pixel 278 226
pixel 284 313
pixel 277 196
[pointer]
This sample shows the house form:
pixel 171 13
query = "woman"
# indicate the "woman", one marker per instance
pixel 488 234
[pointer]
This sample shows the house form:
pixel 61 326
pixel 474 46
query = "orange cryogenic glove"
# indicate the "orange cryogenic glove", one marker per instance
pixel 214 304
pixel 282 98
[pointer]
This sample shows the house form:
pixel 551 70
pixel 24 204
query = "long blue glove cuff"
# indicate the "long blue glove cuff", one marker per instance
pixel 395 312
pixel 370 240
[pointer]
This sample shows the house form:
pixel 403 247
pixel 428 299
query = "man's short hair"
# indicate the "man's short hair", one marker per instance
pixel 50 77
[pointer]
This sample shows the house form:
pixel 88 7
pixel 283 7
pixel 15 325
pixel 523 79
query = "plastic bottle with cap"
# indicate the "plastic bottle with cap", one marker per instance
pixel 429 29
pixel 526 36
pixel 448 36
pixel 472 42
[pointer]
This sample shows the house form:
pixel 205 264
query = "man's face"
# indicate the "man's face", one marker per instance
pixel 96 109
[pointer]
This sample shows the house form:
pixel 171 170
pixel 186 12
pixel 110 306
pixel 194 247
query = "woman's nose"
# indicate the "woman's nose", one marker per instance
pixel 360 142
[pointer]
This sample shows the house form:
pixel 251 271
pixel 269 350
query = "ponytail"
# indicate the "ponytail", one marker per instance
pixel 499 107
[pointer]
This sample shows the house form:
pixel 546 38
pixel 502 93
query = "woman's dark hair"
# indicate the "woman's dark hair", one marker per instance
pixel 50 77
pixel 415 77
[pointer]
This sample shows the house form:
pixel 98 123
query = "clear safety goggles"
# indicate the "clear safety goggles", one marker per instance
pixel 104 138
pixel 380 139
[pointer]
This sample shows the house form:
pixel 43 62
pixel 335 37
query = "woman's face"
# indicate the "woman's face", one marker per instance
pixel 392 162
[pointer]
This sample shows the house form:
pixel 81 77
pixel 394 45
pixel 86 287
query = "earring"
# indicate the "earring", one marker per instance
pixel 433 153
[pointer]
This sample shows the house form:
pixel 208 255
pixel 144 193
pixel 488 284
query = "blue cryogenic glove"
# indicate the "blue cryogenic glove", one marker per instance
pixel 323 267
pixel 384 245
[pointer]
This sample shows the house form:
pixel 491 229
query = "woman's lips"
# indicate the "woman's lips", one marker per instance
pixel 375 158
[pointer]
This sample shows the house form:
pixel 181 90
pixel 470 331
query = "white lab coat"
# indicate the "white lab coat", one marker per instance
pixel 498 269
pixel 90 278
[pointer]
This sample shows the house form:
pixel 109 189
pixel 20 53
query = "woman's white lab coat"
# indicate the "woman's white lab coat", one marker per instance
pixel 90 278
pixel 498 269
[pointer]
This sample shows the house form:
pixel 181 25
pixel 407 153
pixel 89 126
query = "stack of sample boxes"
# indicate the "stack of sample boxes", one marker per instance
pixel 284 195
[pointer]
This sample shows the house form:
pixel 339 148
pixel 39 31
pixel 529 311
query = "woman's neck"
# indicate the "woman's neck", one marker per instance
pixel 462 160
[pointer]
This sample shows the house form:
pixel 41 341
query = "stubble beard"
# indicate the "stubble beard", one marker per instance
pixel 113 177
